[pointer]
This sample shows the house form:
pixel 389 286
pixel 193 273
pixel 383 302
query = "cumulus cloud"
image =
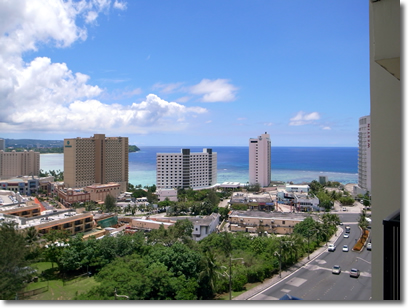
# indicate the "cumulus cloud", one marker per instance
pixel 302 118
pixel 43 96
pixel 90 115
pixel 219 90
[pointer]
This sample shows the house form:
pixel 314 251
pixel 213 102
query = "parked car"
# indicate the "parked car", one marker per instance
pixel 369 246
pixel 345 248
pixel 346 235
pixel 336 269
pixel 344 209
pixel 354 273
pixel 331 247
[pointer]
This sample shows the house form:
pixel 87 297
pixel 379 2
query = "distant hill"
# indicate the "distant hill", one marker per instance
pixel 33 143
pixel 43 146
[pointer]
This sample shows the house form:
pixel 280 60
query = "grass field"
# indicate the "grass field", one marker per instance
pixel 57 289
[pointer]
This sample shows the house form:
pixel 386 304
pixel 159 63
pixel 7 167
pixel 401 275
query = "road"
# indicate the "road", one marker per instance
pixel 314 280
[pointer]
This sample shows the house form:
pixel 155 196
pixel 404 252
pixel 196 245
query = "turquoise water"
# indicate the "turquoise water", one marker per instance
pixel 294 164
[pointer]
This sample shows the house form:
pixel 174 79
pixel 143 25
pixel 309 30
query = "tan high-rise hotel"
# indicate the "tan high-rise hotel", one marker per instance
pixel 97 159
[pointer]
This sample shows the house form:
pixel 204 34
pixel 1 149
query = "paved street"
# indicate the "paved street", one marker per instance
pixel 308 278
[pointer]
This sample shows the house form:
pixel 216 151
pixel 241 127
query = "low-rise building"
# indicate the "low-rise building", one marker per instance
pixel 67 220
pixel 26 185
pixel 98 192
pixel 298 196
pixel 264 201
pixel 272 223
pixel 70 196
pixel 170 194
pixel 204 226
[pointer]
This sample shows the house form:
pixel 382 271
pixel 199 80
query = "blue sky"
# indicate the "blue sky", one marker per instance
pixel 185 73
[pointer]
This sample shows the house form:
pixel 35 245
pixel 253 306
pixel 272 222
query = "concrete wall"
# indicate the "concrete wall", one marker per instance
pixel 386 123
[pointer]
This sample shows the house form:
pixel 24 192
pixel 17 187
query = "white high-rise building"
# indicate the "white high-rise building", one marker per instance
pixel 260 160
pixel 2 144
pixel 364 153
pixel 186 169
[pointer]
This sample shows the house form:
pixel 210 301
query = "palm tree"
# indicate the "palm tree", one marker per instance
pixel 31 235
pixel 212 271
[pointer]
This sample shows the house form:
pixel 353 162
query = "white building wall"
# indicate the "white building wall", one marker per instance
pixel 199 171
pixel 260 160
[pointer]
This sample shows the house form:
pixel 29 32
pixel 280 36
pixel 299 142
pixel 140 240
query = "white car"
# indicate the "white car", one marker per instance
pixel 354 273
pixel 346 235
pixel 368 246
pixel 344 209
pixel 336 269
pixel 332 247
pixel 345 248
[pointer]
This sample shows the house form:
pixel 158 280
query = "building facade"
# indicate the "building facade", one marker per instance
pixel 364 153
pixel 186 169
pixel 2 144
pixel 272 223
pixel 386 114
pixel 260 160
pixel 14 163
pixel 97 159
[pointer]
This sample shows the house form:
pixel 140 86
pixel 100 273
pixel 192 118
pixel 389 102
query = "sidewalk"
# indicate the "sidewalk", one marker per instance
pixel 275 279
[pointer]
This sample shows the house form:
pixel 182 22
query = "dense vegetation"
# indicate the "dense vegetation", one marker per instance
pixel 163 263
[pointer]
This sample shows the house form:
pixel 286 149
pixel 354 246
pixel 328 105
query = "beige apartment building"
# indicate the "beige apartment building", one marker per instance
pixel 14 163
pixel 260 160
pixel 96 159
pixel 364 154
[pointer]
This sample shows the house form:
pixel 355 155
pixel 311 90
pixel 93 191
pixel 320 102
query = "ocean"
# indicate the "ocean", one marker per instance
pixel 289 164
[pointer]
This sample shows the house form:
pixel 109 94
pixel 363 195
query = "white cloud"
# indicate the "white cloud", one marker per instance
pixel 219 90
pixel 167 87
pixel 302 118
pixel 45 96
pixel 183 99
pixel 327 128
pixel 120 5
pixel 153 113
pixel 241 119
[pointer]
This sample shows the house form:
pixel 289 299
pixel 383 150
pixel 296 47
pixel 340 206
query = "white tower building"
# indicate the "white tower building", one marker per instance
pixel 364 153
pixel 186 169
pixel 260 160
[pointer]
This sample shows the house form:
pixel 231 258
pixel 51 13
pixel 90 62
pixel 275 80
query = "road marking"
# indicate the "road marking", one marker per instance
pixel 363 260
pixel 296 282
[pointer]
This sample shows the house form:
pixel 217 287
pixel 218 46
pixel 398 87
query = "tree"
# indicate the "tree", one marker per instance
pixel 12 260
pixel 110 203
pixel 362 222
pixel 56 243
